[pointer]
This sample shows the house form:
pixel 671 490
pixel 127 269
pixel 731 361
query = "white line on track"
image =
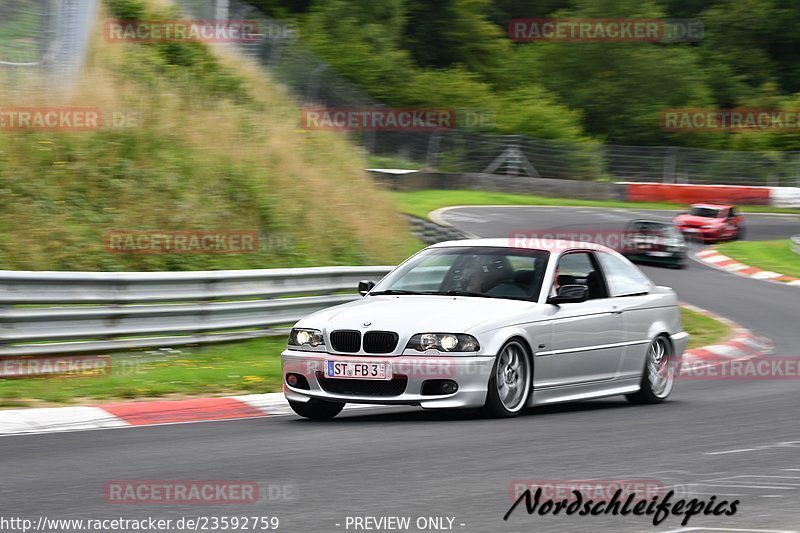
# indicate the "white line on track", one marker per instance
pixel 744 486
pixel 700 529
pixel 732 451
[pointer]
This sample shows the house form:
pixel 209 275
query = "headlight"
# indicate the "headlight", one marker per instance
pixel 306 337
pixel 444 342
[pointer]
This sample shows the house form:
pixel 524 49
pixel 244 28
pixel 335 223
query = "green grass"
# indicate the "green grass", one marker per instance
pixel 243 367
pixel 703 330
pixel 776 256
pixel 246 367
pixel 420 203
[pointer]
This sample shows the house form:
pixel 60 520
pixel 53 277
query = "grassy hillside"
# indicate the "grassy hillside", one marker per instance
pixel 215 146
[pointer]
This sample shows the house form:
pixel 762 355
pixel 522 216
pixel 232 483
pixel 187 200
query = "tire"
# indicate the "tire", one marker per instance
pixel 316 409
pixel 656 386
pixel 510 382
pixel 740 234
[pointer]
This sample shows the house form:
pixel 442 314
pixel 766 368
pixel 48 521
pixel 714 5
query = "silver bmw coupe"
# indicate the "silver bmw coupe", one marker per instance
pixel 490 324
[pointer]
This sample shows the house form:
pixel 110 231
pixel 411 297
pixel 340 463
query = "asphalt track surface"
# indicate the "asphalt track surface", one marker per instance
pixel 733 439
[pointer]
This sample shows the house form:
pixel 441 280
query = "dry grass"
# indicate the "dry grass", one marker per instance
pixel 201 157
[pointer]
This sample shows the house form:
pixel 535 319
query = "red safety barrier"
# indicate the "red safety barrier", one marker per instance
pixel 690 194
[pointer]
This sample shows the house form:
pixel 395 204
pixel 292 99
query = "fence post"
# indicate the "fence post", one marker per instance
pixel 597 160
pixel 669 165
pixel 797 172
pixel 313 83
pixel 432 156
pixel 222 10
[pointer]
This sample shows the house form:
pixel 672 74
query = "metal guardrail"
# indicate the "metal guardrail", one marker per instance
pixel 104 311
pixel 796 244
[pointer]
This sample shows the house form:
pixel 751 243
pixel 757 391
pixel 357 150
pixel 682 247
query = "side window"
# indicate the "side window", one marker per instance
pixel 578 268
pixel 576 265
pixel 732 213
pixel 622 276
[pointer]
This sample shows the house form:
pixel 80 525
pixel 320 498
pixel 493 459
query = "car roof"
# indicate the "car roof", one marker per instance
pixel 713 206
pixel 555 246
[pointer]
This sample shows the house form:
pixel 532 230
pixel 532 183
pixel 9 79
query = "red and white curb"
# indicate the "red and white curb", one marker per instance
pixel 743 344
pixel 145 413
pixel 713 258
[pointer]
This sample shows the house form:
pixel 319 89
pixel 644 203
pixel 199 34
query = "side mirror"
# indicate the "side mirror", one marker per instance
pixel 570 294
pixel 364 286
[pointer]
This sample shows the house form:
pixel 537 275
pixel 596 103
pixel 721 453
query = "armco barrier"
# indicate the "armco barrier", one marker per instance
pixel 431 233
pixel 689 194
pixel 796 244
pixel 111 311
pixel 785 196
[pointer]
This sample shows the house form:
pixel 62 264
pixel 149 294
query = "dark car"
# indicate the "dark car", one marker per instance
pixel 711 223
pixel 654 241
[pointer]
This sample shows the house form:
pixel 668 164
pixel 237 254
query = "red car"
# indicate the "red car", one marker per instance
pixel 711 223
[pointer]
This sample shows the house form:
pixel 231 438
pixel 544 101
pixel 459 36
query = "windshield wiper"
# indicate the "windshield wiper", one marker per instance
pixel 396 291
pixel 457 292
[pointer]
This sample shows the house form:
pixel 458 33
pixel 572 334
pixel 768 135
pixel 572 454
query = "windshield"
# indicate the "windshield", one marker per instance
pixel 469 271
pixel 707 212
pixel 659 229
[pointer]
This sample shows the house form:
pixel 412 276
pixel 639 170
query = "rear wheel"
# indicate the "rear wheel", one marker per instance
pixel 316 409
pixel 510 382
pixel 660 368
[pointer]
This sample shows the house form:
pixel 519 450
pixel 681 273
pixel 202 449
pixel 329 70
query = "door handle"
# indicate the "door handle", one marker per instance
pixel 616 310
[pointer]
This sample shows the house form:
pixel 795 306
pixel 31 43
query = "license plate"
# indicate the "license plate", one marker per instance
pixel 358 370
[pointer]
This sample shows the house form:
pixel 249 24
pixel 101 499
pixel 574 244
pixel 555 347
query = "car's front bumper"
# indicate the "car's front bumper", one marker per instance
pixel 470 373
pixel 697 234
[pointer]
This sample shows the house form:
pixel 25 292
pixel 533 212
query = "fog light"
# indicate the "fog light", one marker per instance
pixel 297 381
pixel 449 387
pixel 437 387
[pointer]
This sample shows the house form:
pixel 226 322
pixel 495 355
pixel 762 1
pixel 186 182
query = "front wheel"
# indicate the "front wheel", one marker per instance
pixel 659 373
pixel 316 409
pixel 510 382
